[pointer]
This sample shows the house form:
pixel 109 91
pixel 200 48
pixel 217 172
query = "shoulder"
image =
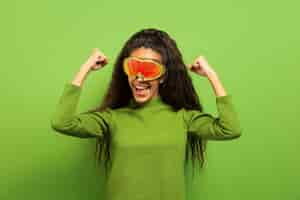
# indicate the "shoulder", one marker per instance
pixel 106 114
pixel 112 114
pixel 190 115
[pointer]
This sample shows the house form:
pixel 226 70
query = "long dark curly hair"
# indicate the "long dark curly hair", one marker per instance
pixel 177 89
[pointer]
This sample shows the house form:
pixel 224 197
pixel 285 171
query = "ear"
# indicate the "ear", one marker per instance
pixel 161 80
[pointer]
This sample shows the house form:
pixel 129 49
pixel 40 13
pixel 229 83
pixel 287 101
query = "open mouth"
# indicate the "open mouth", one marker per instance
pixel 141 90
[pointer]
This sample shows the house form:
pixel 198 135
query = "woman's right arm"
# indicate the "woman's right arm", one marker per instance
pixel 65 120
pixel 84 125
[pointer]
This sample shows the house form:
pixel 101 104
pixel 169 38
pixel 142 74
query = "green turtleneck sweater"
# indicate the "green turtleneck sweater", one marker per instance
pixel 148 141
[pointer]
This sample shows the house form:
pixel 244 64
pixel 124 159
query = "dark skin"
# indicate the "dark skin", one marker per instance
pixel 153 85
pixel 200 66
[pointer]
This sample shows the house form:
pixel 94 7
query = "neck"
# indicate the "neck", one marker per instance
pixel 155 100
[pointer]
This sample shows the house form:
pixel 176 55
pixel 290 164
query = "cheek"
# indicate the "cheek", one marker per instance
pixel 155 86
pixel 129 81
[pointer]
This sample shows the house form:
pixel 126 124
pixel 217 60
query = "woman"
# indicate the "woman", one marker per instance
pixel 150 117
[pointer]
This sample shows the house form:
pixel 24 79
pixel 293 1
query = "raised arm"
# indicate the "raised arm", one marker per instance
pixel 84 125
pixel 224 127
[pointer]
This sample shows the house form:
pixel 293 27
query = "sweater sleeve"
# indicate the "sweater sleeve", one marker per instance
pixel 224 127
pixel 84 125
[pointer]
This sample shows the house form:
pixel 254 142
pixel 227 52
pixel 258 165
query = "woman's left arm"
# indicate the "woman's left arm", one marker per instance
pixel 226 125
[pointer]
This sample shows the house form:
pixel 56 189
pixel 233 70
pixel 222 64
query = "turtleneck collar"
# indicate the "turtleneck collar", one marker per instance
pixel 155 101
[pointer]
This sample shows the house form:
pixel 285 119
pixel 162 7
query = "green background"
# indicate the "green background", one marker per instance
pixel 253 46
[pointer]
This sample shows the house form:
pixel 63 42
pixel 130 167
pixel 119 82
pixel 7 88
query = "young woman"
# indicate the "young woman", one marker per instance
pixel 150 117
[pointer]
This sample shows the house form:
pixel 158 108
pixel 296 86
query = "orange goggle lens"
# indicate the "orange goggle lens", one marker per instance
pixel 148 69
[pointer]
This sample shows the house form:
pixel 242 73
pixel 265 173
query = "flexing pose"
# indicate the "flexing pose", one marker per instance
pixel 150 117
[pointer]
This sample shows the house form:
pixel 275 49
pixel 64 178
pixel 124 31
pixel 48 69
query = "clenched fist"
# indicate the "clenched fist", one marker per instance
pixel 96 60
pixel 201 67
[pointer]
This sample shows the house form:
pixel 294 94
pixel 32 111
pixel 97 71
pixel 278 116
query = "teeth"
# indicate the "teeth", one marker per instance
pixel 140 87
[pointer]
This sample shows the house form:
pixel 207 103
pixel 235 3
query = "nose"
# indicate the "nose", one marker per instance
pixel 139 77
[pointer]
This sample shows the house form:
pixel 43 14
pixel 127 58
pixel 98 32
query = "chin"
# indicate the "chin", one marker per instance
pixel 141 99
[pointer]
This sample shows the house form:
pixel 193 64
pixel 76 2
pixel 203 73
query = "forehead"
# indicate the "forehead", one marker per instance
pixel 147 53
